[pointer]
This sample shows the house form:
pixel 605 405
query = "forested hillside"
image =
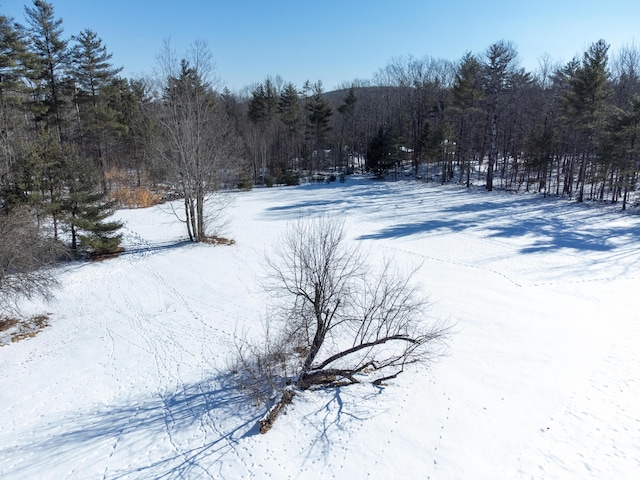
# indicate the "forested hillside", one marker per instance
pixel 78 139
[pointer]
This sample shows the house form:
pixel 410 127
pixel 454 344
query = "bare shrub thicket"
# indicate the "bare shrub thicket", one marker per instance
pixel 25 255
pixel 334 320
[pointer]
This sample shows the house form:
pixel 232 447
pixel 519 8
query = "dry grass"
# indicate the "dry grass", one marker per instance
pixel 130 191
pixel 139 197
pixel 13 330
pixel 220 241
pixel 6 323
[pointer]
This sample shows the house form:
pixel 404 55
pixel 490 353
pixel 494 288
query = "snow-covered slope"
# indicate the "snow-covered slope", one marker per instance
pixel 542 379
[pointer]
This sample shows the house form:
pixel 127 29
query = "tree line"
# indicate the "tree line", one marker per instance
pixel 76 138
pixel 565 130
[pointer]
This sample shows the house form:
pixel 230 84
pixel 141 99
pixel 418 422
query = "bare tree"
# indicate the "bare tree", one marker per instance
pixel 335 321
pixel 199 140
pixel 24 257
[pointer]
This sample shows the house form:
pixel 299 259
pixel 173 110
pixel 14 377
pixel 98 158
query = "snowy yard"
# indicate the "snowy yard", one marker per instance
pixel 542 378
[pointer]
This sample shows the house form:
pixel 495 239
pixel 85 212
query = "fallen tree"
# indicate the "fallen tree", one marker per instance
pixel 335 321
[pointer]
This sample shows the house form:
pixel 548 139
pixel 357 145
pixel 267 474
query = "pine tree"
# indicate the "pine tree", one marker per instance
pixel 85 210
pixel 289 110
pixel 95 80
pixel 499 71
pixel 12 53
pixel 48 62
pixel 263 135
pixel 467 96
pixel 263 104
pixel 618 150
pixel 348 112
pixel 584 104
pixel 35 177
pixel 382 152
pixel 318 115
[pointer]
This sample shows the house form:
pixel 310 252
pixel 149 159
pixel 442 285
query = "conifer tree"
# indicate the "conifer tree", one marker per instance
pixel 289 110
pixel 95 78
pixel 12 52
pixel 263 133
pixel 49 60
pixel 85 211
pixel 318 115
pixel 584 104
pixel 499 70
pixel 618 150
pixel 467 96
pixel 348 134
pixel 382 151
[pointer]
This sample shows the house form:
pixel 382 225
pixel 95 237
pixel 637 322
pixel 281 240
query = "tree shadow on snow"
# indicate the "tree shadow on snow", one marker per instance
pixel 201 421
pixel 353 195
pixel 548 225
pixel 155 247
pixel 336 414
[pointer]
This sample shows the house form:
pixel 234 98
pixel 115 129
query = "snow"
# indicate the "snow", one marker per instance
pixel 541 379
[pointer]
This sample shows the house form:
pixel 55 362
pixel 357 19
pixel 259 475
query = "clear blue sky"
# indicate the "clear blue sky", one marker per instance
pixel 337 41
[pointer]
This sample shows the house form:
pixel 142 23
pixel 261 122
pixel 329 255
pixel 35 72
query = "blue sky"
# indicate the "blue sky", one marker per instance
pixel 337 41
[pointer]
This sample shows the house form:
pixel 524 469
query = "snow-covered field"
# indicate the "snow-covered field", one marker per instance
pixel 542 378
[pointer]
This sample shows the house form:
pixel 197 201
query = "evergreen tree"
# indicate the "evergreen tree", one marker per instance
pixel 135 106
pixel 12 52
pixel 85 211
pixel 584 104
pixel 48 62
pixel 318 115
pixel 35 177
pixel 289 110
pixel 263 103
pixel 382 152
pixel 96 84
pixel 262 137
pixel 92 67
pixel 499 72
pixel 619 152
pixel 467 109
pixel 348 132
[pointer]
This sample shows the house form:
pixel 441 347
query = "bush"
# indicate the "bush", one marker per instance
pixel 25 255
pixel 290 178
pixel 140 197
pixel 244 181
